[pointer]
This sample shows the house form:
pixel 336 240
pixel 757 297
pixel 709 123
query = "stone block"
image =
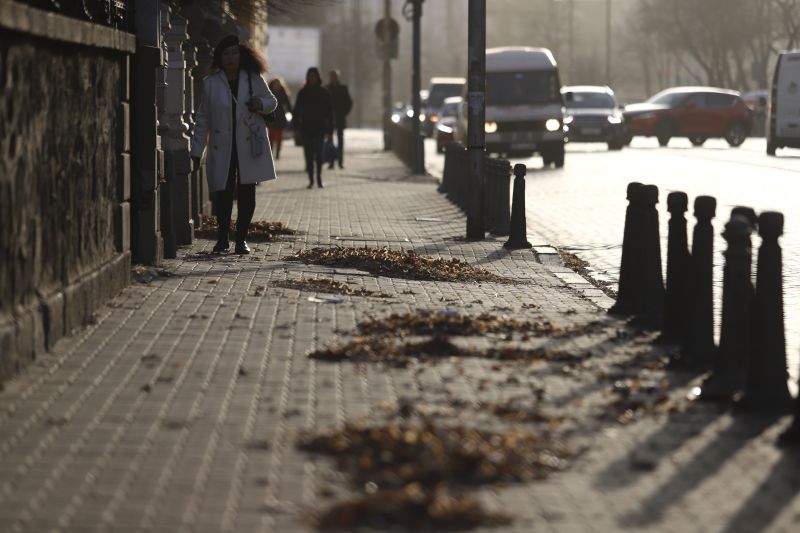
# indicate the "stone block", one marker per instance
pixel 123 177
pixel 8 355
pixel 53 319
pixel 30 336
pixel 124 125
pixel 74 306
pixel 122 227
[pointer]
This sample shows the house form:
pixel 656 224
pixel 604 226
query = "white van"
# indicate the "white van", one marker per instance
pixel 524 108
pixel 783 124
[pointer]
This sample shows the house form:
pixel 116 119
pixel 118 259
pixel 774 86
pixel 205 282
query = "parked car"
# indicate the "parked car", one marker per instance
pixel 524 109
pixel 593 115
pixel 697 113
pixel 783 123
pixel 440 89
pixel 447 122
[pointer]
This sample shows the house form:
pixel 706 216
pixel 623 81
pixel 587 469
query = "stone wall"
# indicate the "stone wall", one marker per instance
pixel 64 186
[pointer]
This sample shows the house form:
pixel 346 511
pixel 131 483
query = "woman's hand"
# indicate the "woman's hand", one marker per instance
pixel 254 104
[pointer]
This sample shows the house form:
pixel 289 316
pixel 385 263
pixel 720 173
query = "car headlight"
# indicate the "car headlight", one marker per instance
pixel 422 117
pixel 552 124
pixel 288 116
pixel 568 119
pixel 614 120
pixel 396 118
pixel 410 113
pixel 490 127
pixel 434 118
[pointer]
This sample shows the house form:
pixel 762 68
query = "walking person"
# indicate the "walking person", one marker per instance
pixel 313 117
pixel 230 120
pixel 281 122
pixel 342 104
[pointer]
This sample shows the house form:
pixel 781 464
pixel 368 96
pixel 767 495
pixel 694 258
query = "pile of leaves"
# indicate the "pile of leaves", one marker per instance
pixel 412 508
pixel 404 264
pixel 384 349
pixel 146 274
pixel 452 323
pixel 327 286
pixel 259 230
pixel 409 469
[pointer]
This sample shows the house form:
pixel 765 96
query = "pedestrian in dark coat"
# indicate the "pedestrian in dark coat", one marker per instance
pixel 313 116
pixel 276 127
pixel 342 104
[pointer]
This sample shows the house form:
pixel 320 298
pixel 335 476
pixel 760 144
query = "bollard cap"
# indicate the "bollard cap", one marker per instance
pixel 705 207
pixel 770 225
pixel 633 188
pixel 747 212
pixel 520 170
pixel 737 229
pixel 650 194
pixel 677 202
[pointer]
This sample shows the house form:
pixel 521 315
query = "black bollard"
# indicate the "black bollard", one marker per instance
pixel 767 387
pixel 747 212
pixel 631 249
pixel 735 342
pixel 678 258
pixel 649 296
pixel 518 238
pixel 699 346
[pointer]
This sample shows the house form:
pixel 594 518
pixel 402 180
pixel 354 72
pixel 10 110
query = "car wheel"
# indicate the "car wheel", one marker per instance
pixel 736 134
pixel 628 139
pixel 697 140
pixel 616 145
pixel 771 148
pixel 663 133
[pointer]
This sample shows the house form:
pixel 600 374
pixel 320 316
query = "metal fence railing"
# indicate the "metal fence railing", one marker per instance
pixel 113 13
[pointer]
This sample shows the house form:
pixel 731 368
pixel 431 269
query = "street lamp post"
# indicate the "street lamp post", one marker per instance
pixel 608 42
pixel 476 112
pixel 387 79
pixel 417 153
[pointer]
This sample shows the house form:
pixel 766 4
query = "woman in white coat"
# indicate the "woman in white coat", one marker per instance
pixel 230 123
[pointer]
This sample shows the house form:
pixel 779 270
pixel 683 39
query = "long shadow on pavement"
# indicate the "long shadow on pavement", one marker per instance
pixel 768 499
pixel 704 464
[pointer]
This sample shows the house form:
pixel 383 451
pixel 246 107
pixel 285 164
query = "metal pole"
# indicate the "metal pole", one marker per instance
pixel 387 81
pixel 608 42
pixel 417 153
pixel 358 96
pixel 571 10
pixel 476 109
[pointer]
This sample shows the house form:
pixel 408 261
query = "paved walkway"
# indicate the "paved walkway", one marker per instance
pixel 180 407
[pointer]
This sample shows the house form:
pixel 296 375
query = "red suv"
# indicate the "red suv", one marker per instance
pixel 694 112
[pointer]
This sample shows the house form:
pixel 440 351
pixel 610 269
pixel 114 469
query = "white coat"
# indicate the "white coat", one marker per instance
pixel 213 128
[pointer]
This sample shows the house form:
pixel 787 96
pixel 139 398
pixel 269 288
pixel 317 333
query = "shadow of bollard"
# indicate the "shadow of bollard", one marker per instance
pixel 699 347
pixel 767 377
pixel 731 359
pixel 678 265
pixel 518 238
pixel 631 249
pixel 649 296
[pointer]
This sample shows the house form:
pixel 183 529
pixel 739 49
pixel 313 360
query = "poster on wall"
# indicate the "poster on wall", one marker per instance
pixel 291 50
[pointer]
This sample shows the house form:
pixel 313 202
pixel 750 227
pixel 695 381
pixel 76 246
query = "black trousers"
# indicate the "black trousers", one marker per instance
pixel 339 146
pixel 313 143
pixel 245 201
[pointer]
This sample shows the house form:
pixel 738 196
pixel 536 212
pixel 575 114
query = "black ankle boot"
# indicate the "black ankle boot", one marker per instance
pixel 242 248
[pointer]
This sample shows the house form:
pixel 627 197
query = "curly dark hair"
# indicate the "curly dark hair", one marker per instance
pixel 250 59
